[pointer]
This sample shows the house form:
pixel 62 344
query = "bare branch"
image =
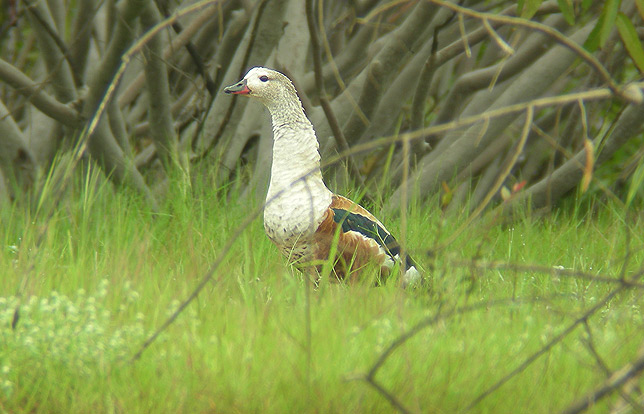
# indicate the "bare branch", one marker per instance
pixel 156 76
pixel 54 52
pixel 500 179
pixel 547 30
pixel 438 316
pixel 615 381
pixel 81 35
pixel 548 270
pixel 554 341
pixel 457 148
pixel 133 88
pixel 566 177
pixel 324 102
pixel 37 96
pixel 16 160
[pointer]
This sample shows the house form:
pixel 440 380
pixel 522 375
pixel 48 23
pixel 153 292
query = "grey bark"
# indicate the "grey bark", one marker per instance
pixel 59 71
pixel 568 176
pixel 81 36
pixel 102 144
pixel 37 96
pixel 156 77
pixel 456 149
pixel 16 160
pixel 259 42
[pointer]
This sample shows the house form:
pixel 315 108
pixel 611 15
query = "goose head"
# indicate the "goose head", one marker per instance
pixel 269 86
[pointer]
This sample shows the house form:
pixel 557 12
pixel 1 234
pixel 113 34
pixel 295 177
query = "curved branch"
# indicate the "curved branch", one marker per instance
pixel 35 94
pixel 156 79
pixel 54 52
pixel 16 160
pixel 458 147
pixel 81 35
pixel 568 176
pixel 45 21
pixel 324 102
pixel 479 79
pixel 620 377
pixel 182 39
pixel 554 341
pixel 548 31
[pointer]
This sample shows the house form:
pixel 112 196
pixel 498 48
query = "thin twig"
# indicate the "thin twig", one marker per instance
pixel 554 341
pixel 590 344
pixel 528 361
pixel 590 95
pixel 52 33
pixel 500 42
pixel 36 94
pixel 192 50
pixel 550 32
pixel 403 203
pixel 500 179
pixel 202 283
pixel 554 271
pixel 567 99
pixel 615 381
pixel 413 331
pixel 324 101
pixel 558 338
pixel 389 396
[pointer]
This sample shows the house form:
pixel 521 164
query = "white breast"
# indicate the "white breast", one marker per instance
pixel 294 212
pixel 297 198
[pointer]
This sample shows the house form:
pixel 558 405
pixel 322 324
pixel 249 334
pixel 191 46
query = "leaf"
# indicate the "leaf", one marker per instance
pixel 640 7
pixel 446 198
pixel 505 193
pixel 598 36
pixel 592 42
pixel 566 9
pixel 529 8
pixel 631 41
pixel 611 8
pixel 585 5
pixel 636 183
pixel 590 164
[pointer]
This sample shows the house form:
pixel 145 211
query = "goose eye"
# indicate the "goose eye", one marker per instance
pixel 263 78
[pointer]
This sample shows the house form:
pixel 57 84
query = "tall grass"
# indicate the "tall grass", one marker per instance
pixel 84 286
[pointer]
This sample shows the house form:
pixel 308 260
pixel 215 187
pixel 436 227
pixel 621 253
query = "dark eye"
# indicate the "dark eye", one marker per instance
pixel 263 78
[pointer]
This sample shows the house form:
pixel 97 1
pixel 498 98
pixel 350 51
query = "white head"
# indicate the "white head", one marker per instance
pixel 271 87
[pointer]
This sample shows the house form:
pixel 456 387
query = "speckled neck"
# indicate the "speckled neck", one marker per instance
pixel 296 159
pixel 297 197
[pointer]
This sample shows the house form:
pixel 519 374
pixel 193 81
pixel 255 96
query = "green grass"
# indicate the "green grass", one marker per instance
pixel 107 272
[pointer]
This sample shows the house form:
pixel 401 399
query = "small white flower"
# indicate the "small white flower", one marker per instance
pixel 132 296
pixel 7 388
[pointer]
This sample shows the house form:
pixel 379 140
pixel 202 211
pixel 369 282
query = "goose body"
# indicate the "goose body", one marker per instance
pixel 301 215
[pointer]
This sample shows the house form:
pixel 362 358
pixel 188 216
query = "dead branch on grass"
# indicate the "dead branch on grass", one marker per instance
pixel 613 383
